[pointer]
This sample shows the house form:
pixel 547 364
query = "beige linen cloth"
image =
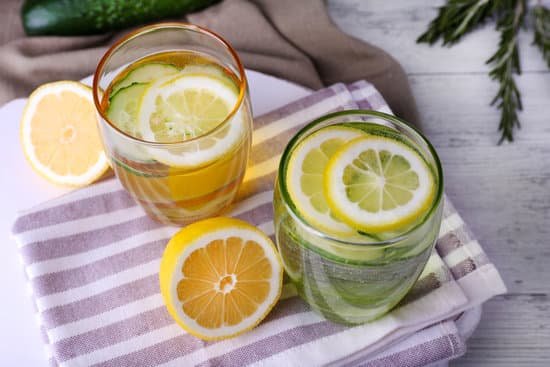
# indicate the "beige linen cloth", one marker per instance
pixel 293 40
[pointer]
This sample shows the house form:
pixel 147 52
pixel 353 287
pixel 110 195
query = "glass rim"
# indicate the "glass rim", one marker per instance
pixel 287 201
pixel 98 92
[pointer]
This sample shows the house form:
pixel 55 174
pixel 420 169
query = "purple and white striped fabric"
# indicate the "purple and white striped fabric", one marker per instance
pixel 92 258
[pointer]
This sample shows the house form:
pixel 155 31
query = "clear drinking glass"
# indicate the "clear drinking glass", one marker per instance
pixel 354 281
pixel 177 182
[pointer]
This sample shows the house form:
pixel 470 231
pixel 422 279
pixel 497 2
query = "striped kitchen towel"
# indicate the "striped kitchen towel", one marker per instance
pixel 92 258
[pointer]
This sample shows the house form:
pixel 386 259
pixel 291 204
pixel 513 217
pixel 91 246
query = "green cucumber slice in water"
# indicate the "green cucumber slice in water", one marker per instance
pixel 122 111
pixel 123 108
pixel 145 74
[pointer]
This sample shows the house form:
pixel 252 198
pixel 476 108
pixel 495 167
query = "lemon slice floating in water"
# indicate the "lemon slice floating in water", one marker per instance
pixel 304 177
pixel 378 183
pixel 176 109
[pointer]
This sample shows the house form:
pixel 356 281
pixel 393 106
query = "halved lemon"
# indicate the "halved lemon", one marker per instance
pixel 304 177
pixel 378 183
pixel 220 277
pixel 59 134
pixel 176 109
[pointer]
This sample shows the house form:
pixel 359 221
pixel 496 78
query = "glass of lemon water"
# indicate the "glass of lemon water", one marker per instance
pixel 358 206
pixel 176 119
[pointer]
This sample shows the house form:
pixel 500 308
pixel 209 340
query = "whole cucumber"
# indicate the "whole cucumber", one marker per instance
pixel 83 17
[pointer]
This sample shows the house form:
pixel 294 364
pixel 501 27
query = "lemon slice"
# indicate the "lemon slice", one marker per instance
pixel 59 134
pixel 377 183
pixel 220 277
pixel 304 177
pixel 175 109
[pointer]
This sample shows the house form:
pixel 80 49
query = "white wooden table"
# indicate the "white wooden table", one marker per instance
pixel 503 192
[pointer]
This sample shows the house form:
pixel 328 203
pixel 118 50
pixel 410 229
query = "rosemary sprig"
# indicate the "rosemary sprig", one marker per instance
pixel 458 17
pixel 506 63
pixel 542 31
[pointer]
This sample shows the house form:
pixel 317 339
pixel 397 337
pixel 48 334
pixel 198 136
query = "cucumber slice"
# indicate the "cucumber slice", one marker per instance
pixel 145 74
pixel 123 108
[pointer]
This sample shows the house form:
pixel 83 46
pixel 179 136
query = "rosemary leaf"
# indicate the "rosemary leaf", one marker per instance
pixel 457 18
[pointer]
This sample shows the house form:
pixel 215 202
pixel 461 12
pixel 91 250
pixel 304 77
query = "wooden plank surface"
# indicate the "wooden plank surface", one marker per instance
pixel 503 192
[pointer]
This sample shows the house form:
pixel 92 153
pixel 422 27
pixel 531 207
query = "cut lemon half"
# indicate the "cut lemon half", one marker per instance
pixel 220 277
pixel 304 177
pixel 59 134
pixel 176 109
pixel 377 183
